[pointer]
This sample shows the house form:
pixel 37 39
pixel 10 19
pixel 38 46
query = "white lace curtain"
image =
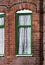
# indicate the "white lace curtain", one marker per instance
pixel 1 36
pixel 24 34
pixel 1 20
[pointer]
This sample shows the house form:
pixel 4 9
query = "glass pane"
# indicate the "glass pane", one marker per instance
pixel 1 40
pixel 25 40
pixel 2 21
pixel 24 19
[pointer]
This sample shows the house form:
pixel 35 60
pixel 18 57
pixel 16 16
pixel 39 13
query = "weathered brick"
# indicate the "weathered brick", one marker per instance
pixel 10 8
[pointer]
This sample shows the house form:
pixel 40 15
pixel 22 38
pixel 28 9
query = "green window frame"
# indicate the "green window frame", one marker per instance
pixel 17 33
pixel 2 15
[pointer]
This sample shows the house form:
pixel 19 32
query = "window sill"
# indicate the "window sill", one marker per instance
pixel 23 55
pixel 1 55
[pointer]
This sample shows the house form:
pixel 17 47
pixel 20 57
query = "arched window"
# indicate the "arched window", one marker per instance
pixel 24 33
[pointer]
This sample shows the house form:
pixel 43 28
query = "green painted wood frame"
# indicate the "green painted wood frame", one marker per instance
pixel 17 34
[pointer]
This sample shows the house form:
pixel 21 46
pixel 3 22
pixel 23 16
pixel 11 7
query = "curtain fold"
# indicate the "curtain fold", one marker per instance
pixel 2 41
pixel 24 35
pixel 1 35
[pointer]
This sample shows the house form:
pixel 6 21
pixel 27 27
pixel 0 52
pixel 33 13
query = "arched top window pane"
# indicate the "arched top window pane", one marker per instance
pixel 24 11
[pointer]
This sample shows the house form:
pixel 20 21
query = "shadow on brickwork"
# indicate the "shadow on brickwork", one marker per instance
pixel 41 32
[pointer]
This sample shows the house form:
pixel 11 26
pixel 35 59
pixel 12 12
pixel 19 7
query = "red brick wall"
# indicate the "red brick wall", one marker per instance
pixel 10 8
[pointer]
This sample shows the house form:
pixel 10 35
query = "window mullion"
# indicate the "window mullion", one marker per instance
pixel 24 25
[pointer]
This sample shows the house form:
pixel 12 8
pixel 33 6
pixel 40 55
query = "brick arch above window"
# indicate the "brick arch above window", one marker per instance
pixel 3 8
pixel 24 5
pixel 21 5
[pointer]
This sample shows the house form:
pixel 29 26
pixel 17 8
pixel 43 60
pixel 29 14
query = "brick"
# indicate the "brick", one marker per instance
pixel 10 32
